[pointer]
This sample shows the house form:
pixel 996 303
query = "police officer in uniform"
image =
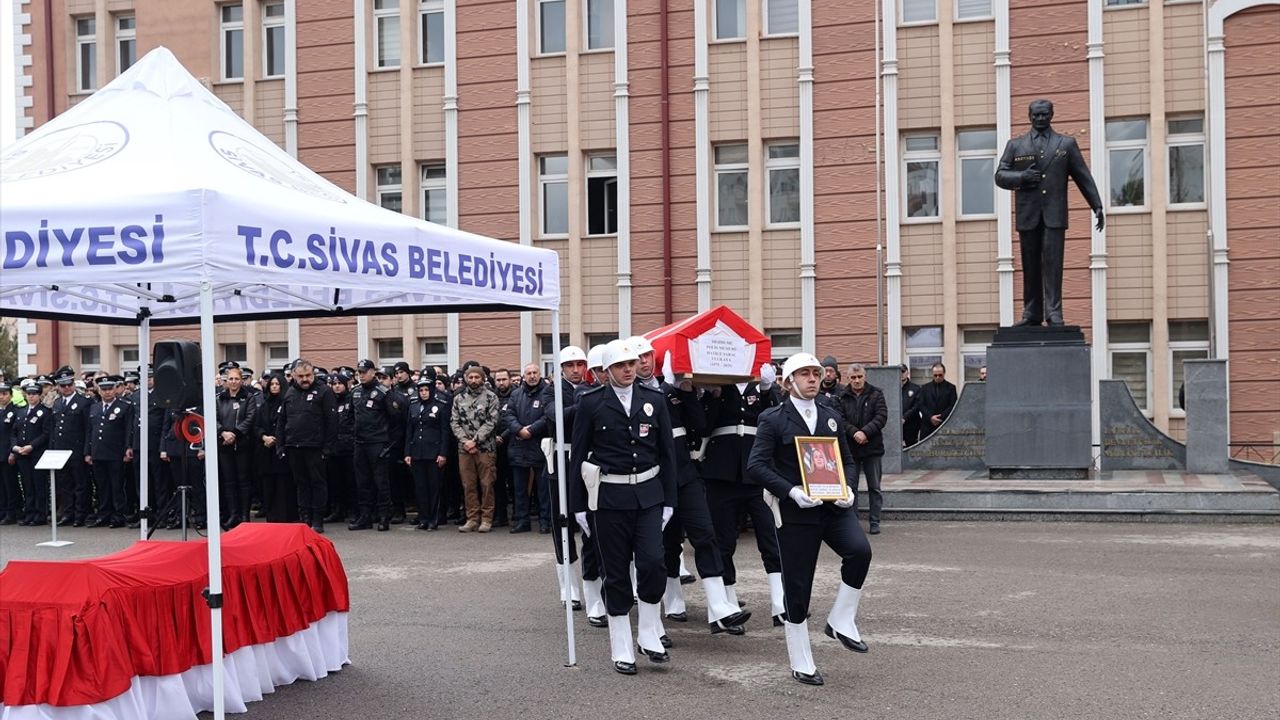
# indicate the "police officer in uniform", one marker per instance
pixel 109 446
pixel 573 370
pixel 398 473
pixel 69 420
pixel 806 523
pixel 30 440
pixel 372 406
pixel 10 490
pixel 623 468
pixel 341 464
pixel 426 443
pixel 308 427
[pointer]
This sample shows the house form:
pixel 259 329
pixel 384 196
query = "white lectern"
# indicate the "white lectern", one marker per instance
pixel 53 460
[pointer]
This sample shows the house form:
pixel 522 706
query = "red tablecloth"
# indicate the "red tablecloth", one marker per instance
pixel 76 633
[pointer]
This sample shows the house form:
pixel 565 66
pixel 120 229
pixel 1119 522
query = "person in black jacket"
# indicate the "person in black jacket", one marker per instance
pixel 937 399
pixel 910 408
pixel 68 430
pixel 399 476
pixel 308 427
pixel 804 523
pixel 426 441
pixel 372 405
pixel 865 413
pixel 525 422
pixel 30 439
pixel 341 464
pixel 10 490
pixel 108 446
pixel 279 492
pixel 236 412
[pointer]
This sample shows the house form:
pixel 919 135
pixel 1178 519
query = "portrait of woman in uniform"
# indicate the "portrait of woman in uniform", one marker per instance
pixel 821 469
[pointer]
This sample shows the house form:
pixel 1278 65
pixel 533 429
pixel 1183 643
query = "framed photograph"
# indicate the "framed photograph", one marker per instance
pixel 821 468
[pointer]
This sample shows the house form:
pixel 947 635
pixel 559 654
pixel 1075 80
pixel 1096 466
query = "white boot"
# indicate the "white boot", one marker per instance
pixel 731 593
pixel 800 653
pixel 684 571
pixel 843 618
pixel 571 579
pixel 620 639
pixel 594 600
pixel 776 605
pixel 718 604
pixel 562 575
pixel 673 600
pixel 651 632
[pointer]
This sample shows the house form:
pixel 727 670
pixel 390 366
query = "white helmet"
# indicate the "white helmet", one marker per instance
pixel 617 351
pixel 640 344
pixel 572 353
pixel 595 356
pixel 797 361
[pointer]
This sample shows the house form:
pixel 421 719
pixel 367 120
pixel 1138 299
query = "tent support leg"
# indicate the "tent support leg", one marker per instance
pixel 211 498
pixel 561 486
pixel 144 441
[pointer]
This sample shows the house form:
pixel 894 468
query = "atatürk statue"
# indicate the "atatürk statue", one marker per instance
pixel 1036 167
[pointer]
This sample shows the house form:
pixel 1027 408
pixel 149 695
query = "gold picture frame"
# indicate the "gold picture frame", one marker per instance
pixel 824 483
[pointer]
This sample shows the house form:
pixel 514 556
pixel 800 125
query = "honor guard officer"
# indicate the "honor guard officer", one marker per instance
pixel 692 517
pixel 112 424
pixel 426 447
pixel 732 411
pixel 573 373
pixel 623 469
pixel 10 490
pixel 307 428
pixel 30 439
pixel 371 404
pixel 806 523
pixel 69 422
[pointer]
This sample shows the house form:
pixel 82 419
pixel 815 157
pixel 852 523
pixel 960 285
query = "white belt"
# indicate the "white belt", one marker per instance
pixel 678 432
pixel 634 479
pixel 738 430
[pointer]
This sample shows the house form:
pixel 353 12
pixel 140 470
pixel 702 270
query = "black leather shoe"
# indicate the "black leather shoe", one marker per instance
pixel 678 617
pixel 26 522
pixel 739 618
pixel 65 520
pixel 117 523
pixel 625 668
pixel 334 516
pixel 814 679
pixel 778 620
pixel 875 529
pixel 720 627
pixel 520 528
pixel 361 523
pixel 79 522
pixel 318 527
pixel 100 522
pixel 1028 322
pixel 855 645
pixel 666 641
pixel 688 579
pixel 658 658
pixel 577 605
pixel 384 524
pixel 397 519
pixel 597 621
pixel 8 520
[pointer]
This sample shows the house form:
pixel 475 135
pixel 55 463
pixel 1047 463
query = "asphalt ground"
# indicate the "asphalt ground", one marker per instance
pixel 964 620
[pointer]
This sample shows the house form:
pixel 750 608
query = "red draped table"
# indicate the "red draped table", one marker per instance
pixel 127 635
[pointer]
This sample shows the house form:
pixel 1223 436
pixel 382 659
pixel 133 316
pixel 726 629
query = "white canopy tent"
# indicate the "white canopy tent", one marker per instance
pixel 152 203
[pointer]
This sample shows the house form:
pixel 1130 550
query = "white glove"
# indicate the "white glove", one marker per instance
pixel 668 374
pixel 582 523
pixel 804 501
pixel 768 376
pixel 666 516
pixel 847 502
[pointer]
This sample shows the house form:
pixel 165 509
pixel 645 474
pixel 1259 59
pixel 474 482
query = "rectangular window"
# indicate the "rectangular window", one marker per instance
pixel 602 195
pixel 781 17
pixel 1120 3
pixel 973 9
pixel 90 358
pixel 435 193
pixel 431 35
pixel 594 339
pixel 389 188
pixel 128 356
pixel 731 19
pixel 126 42
pixel 1188 340
pixel 550 26
pixel 977 159
pixel 553 189
pixel 783 166
pixel 386 33
pixel 276 355
pixel 919 11
pixel 785 343
pixel 86 54
pixel 599 24
pixel 920 160
pixel 1186 161
pixel 273 40
pixel 973 351
pixel 236 352
pixel 1127 158
pixel 390 351
pixel 731 186
pixel 1129 347
pixel 435 352
pixel 924 348
pixel 231 39
pixel 546 353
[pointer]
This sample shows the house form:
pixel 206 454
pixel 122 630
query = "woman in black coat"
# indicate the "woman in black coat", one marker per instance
pixel 426 448
pixel 279 495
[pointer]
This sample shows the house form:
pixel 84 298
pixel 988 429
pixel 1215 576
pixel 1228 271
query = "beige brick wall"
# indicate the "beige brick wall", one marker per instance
pixel 919 86
pixel 1188 264
pixel 729 283
pixel 1184 58
pixel 269 104
pixel 728 72
pixel 779 91
pixel 549 106
pixel 1129 267
pixel 1127 76
pixel 976 286
pixel 428 113
pixel 975 79
pixel 922 274
pixel 595 92
pixel 781 278
pixel 384 118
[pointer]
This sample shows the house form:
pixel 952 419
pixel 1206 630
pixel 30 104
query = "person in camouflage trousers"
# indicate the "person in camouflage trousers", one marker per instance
pixel 475 423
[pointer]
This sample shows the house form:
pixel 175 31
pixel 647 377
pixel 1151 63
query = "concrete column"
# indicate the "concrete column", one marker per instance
pixel 1098 246
pixel 702 151
pixel 892 188
pixel 888 379
pixel 1208 416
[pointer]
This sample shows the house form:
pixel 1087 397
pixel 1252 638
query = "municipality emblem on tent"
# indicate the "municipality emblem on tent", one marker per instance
pixel 64 150
pixel 266 165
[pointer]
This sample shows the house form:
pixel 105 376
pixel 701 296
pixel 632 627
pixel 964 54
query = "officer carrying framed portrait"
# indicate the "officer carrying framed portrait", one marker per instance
pixel 821 469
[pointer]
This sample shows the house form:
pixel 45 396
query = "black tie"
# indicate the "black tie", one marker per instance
pixel 1040 143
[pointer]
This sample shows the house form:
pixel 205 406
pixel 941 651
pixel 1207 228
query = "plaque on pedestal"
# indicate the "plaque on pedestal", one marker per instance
pixel 1038 404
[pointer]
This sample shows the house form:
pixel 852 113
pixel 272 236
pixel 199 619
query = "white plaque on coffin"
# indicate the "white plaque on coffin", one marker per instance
pixel 721 351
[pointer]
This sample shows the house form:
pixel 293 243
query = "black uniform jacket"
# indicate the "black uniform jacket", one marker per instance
pixel 32 428
pixel 308 418
pixel 345 442
pixel 373 406
pixel 427 431
pixel 686 412
pixel 623 444
pixel 69 421
pixel 726 455
pixel 110 430
pixel 775 465
pixel 1046 201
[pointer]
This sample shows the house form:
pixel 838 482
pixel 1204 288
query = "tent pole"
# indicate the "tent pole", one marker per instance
pixel 561 465
pixel 144 442
pixel 212 510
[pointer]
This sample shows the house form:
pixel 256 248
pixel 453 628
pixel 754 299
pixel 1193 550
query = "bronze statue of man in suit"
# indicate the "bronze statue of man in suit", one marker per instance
pixel 1036 167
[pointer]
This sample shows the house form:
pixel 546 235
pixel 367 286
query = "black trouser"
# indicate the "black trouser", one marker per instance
pixel 502 486
pixel 10 490
pixel 451 491
pixel 1042 272
pixel 693 518
pixel 591 569
pixel 234 481
pixel 620 536
pixel 426 484
pixel 109 477
pixel 35 484
pixel 520 475
pixel 307 465
pixel 800 543
pixel 372 485
pixel 75 491
pixel 159 483
pixel 728 502
pixel 188 470
pixel 401 481
pixel 869 467
pixel 342 483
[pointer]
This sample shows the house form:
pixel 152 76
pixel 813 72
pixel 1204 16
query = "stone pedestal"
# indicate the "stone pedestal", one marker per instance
pixel 1208 415
pixel 1037 405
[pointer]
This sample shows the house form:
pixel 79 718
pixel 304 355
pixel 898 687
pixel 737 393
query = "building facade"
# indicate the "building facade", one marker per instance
pixel 682 154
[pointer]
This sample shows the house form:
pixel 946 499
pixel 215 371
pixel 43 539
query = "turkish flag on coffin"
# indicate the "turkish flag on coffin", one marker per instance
pixel 713 347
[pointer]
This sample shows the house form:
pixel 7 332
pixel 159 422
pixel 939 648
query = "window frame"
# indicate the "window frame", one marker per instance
pixel 382 190
pixel 1183 139
pixel 389 359
pixel 586 29
pixel 89 366
pixel 427 185
pixel 545 179
pixel 970 348
pixel 765 25
pixel 540 50
pixel 546 355
pixel 224 351
pixel 124 35
pixel 430 358
pixel 425 8
pixel 91 41
pixel 992 154
pixel 780 351
pixel 1146 405
pixel 714 35
pixel 590 174
pixel 955 13
pixel 902 15
pixel 1122 4
pixel 1144 145
pixel 224 28
pixel 269 23
pixel 268 354
pixel 929 354
pixel 381 15
pixel 719 169
pixel 921 156
pixel 121 359
pixel 779 164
